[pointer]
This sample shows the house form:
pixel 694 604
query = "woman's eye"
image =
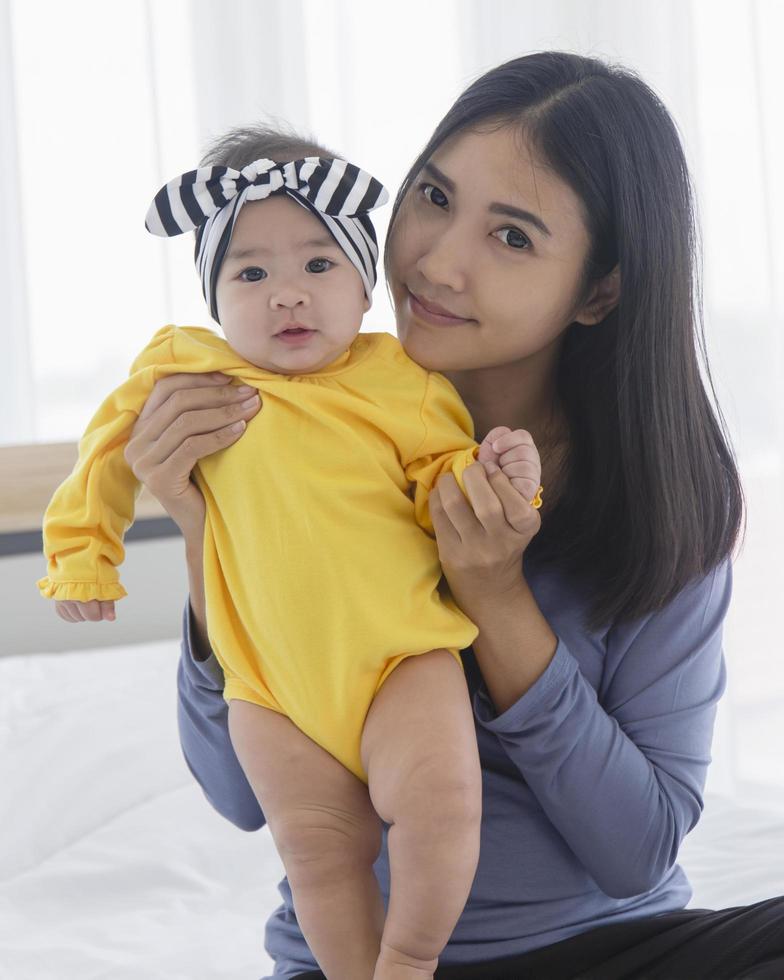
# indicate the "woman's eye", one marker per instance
pixel 255 268
pixel 434 195
pixel 514 238
pixel 319 265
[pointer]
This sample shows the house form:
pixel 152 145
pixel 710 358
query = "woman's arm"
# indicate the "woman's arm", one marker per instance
pixel 194 557
pixel 186 418
pixel 202 720
pixel 619 771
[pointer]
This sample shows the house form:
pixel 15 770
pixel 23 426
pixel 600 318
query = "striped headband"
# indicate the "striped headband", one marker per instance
pixel 209 199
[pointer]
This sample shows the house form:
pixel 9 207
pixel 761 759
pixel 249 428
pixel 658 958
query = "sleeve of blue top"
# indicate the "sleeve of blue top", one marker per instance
pixel 202 720
pixel 620 772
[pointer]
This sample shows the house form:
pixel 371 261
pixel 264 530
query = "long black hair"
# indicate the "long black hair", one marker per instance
pixel 651 493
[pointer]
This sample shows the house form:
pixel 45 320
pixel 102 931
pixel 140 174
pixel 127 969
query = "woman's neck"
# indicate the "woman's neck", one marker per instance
pixel 505 396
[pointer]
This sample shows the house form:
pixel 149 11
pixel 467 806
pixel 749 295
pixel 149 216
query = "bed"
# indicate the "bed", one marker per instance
pixel 113 864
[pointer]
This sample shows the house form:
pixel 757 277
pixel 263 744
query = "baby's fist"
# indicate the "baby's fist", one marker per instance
pixel 515 453
pixel 77 612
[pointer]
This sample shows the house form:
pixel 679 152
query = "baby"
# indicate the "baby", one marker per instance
pixel 346 701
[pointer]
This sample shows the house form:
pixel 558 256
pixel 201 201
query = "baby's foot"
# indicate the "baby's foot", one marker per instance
pixel 392 964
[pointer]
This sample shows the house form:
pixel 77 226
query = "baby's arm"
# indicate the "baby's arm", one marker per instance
pixel 448 446
pixel 92 509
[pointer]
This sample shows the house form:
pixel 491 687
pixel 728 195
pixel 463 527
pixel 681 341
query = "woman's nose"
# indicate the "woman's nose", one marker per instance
pixel 443 261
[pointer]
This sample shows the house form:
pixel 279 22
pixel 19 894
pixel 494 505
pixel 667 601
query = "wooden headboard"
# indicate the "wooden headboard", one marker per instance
pixel 31 474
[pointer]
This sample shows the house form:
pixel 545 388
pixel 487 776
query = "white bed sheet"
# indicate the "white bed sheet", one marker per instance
pixel 114 866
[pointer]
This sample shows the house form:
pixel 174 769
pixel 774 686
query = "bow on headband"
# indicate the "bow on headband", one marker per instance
pixel 209 199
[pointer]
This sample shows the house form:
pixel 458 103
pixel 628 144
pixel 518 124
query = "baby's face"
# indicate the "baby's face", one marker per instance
pixel 294 274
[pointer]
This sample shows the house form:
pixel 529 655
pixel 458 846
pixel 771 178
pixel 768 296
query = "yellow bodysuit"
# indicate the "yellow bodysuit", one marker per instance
pixel 320 561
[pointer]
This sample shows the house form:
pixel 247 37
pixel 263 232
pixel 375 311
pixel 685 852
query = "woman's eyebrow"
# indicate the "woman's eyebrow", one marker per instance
pixel 495 208
pixel 512 212
pixel 436 174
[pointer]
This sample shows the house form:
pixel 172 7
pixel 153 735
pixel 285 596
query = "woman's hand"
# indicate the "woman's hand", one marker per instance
pixel 186 417
pixel 481 543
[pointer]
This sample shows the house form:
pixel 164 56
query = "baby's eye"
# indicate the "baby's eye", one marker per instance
pixel 254 268
pixel 514 238
pixel 433 194
pixel 319 265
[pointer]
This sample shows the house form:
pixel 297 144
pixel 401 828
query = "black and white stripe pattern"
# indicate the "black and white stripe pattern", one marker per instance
pixel 209 199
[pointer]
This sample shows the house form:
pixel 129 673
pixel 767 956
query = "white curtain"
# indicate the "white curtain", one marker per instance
pixel 90 129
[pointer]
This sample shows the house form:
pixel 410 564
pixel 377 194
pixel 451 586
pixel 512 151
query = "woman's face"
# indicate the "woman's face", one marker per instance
pixel 492 236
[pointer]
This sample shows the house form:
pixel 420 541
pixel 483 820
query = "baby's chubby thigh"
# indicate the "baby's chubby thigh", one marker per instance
pixel 419 745
pixel 318 812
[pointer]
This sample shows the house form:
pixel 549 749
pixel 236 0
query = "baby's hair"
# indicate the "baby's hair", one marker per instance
pixel 241 145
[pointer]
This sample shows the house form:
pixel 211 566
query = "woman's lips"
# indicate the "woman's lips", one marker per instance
pixel 432 313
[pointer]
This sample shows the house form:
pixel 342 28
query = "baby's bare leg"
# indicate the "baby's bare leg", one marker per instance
pixel 420 753
pixel 327 835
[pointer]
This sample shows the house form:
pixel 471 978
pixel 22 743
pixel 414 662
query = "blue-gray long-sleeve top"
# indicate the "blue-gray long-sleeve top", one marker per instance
pixel 591 779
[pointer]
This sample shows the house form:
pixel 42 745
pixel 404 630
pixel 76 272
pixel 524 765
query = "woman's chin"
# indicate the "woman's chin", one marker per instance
pixel 428 355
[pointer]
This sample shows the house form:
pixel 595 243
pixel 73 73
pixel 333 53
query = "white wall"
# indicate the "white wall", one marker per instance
pixel 154 574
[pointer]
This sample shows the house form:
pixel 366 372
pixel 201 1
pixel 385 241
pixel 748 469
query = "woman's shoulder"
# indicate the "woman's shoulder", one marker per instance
pixel 709 591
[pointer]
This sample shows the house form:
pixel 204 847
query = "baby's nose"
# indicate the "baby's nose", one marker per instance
pixel 288 297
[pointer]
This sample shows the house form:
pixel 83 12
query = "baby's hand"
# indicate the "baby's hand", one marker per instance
pixel 518 457
pixel 77 612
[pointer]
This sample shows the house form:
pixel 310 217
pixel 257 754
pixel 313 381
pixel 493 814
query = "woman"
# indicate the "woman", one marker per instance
pixel 540 255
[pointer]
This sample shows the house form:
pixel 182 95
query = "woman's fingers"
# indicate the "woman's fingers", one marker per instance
pixel 171 383
pixel 483 507
pixel 178 394
pixel 494 502
pixel 516 503
pixel 172 475
pixel 186 417
pixel 199 431
pixel 446 533
pixel 185 414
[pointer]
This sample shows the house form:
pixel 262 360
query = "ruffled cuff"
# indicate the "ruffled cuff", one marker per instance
pixel 80 591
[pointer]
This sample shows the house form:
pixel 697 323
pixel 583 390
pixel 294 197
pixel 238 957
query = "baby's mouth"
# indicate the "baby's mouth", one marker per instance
pixel 294 333
pixel 293 328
